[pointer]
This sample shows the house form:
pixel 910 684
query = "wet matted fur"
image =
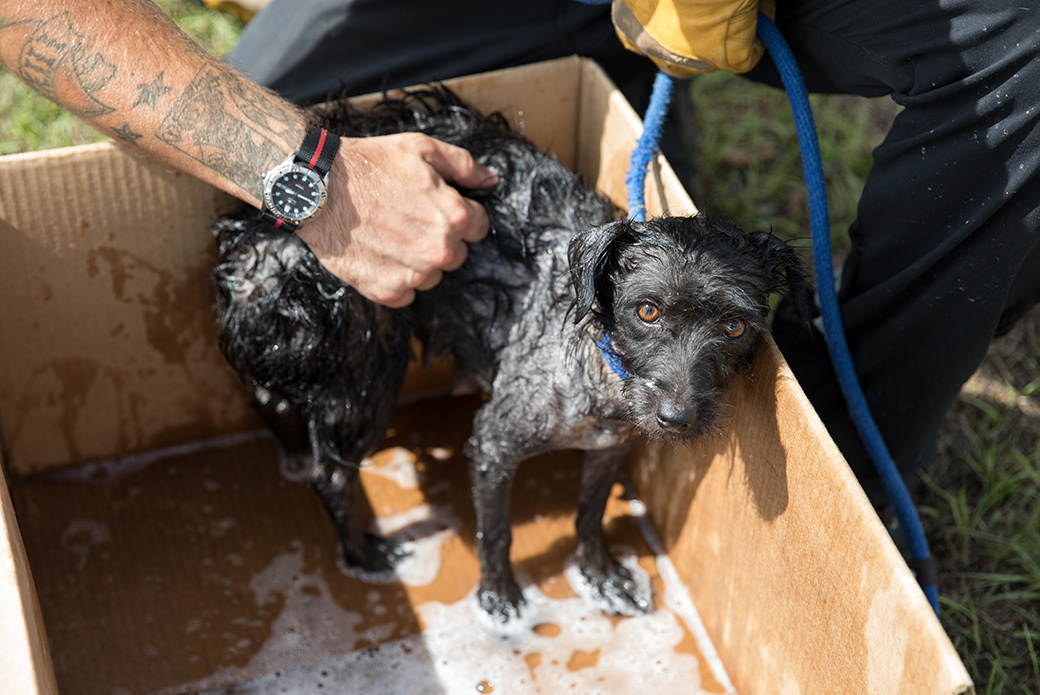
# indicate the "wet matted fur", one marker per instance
pixel 684 300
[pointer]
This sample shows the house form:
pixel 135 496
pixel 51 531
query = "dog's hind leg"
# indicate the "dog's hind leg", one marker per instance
pixel 338 488
pixel 609 582
pixel 287 424
pixel 335 479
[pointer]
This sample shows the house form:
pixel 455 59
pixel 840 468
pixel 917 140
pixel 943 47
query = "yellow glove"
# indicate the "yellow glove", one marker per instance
pixel 688 37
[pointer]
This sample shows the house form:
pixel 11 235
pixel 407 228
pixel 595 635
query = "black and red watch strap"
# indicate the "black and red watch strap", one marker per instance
pixel 318 149
pixel 277 222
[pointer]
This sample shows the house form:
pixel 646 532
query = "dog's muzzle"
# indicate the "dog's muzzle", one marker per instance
pixel 676 418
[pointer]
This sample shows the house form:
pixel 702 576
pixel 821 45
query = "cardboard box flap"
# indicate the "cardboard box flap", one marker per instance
pixel 24 656
pixel 770 528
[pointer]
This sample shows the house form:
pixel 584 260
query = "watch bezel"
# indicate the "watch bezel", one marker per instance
pixel 289 167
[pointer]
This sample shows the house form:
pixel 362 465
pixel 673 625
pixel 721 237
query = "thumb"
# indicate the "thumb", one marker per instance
pixel 457 166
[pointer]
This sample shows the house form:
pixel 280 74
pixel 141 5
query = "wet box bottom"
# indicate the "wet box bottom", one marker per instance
pixel 213 564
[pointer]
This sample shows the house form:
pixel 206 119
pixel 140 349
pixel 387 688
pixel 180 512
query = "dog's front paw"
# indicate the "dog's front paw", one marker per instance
pixel 502 605
pixel 374 558
pixel 617 591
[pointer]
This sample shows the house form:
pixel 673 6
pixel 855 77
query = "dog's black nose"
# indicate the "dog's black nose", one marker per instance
pixel 672 417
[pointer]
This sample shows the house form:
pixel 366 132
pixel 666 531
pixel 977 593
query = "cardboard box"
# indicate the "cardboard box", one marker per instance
pixel 152 544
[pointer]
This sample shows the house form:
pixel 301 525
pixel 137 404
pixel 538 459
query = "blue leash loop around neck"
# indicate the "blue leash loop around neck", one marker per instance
pixel 834 332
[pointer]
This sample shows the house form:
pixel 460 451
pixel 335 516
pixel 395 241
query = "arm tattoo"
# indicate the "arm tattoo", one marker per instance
pixel 227 125
pixel 60 63
pixel 148 93
pixel 126 134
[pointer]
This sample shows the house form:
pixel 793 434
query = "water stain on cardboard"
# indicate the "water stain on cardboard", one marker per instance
pixel 69 382
pixel 169 303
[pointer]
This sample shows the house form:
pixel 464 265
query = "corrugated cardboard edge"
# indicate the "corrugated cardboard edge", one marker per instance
pixel 25 660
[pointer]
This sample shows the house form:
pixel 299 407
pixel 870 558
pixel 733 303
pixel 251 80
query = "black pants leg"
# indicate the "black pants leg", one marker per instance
pixel 944 248
pixel 307 50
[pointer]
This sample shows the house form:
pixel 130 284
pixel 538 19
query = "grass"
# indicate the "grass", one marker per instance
pixel 981 504
pixel 749 165
pixel 980 497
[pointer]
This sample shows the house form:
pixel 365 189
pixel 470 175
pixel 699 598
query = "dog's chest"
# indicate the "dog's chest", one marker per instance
pixel 593 433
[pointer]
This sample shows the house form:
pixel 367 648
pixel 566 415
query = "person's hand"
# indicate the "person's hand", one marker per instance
pixel 689 37
pixel 393 224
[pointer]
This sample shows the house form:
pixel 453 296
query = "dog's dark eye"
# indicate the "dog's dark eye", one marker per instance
pixel 735 329
pixel 648 312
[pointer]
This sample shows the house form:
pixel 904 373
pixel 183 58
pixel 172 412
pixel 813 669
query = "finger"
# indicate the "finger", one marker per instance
pixel 394 300
pixel 457 165
pixel 478 225
pixel 461 251
pixel 432 280
pixel 391 287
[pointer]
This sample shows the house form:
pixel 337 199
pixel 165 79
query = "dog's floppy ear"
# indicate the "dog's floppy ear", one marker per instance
pixel 786 272
pixel 589 256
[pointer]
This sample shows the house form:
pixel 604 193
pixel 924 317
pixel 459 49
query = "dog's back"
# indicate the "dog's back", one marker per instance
pixel 314 350
pixel 534 211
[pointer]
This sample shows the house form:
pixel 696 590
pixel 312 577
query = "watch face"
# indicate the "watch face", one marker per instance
pixel 296 194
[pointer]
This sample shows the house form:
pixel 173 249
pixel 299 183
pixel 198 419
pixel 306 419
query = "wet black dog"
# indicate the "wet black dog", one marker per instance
pixel 683 299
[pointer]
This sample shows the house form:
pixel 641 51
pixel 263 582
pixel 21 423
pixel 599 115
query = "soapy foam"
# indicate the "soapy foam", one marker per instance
pixel 628 559
pixel 397 465
pixel 560 645
pixel 679 602
pixel 83 535
pixel 421 532
pixel 310 621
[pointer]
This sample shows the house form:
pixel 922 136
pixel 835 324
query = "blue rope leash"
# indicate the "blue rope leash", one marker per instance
pixel 612 359
pixel 647 145
pixel 645 150
pixel 834 332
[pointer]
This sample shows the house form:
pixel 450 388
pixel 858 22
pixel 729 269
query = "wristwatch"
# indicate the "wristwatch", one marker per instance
pixel 295 190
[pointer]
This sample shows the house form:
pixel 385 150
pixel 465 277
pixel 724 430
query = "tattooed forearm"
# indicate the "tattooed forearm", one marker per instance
pixel 130 71
pixel 60 63
pixel 228 126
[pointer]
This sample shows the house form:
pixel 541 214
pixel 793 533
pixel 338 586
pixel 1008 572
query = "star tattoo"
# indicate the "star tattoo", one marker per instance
pixel 125 134
pixel 148 94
